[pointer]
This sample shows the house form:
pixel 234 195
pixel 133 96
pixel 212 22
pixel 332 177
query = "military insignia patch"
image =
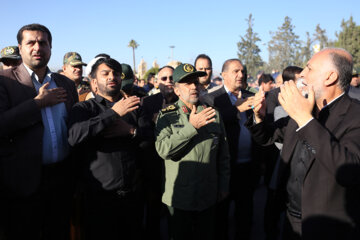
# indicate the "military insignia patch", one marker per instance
pixel 9 51
pixel 122 75
pixel 188 68
pixel 185 110
pixel 168 109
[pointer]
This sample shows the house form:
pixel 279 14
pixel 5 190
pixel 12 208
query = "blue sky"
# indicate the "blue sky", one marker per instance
pixel 193 27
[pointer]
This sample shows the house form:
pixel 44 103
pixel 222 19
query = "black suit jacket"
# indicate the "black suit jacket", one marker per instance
pixel 331 188
pixel 148 111
pixel 219 99
pixel 21 129
pixel 149 108
pixel 153 164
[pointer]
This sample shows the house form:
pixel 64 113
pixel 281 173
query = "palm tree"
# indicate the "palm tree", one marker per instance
pixel 133 44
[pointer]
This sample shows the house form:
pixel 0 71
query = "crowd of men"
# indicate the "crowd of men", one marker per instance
pixel 102 157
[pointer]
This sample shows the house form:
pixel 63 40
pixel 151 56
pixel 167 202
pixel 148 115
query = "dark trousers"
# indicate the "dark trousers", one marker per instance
pixel 153 189
pixel 111 217
pixel 243 181
pixel 191 225
pixel 43 215
pixel 274 208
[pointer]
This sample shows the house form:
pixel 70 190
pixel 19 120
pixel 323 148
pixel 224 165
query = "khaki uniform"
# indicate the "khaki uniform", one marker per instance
pixel 197 161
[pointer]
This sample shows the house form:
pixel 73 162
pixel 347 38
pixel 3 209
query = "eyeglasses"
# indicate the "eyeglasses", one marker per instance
pixel 164 78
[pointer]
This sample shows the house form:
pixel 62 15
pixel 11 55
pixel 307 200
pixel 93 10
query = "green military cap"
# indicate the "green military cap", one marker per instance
pixel 11 52
pixel 184 71
pixel 127 76
pixel 73 59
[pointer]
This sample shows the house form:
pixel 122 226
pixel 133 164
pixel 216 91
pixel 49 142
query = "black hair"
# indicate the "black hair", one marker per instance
pixel 34 27
pixel 265 78
pixel 227 63
pixel 167 66
pixel 151 75
pixel 203 56
pixel 289 73
pixel 103 55
pixel 245 73
pixel 110 62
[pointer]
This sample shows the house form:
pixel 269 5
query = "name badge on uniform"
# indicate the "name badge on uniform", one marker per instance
pixel 178 125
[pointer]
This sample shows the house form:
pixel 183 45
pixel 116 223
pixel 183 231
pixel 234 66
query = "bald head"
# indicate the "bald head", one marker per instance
pixel 343 63
pixel 329 73
pixel 339 51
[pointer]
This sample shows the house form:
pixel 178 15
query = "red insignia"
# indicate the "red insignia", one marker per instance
pixel 184 109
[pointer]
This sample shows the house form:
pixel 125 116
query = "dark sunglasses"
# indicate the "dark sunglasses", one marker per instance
pixel 164 78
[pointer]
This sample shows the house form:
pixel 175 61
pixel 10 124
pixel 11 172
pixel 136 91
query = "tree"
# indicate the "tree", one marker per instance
pixel 151 70
pixel 284 47
pixel 349 39
pixel 248 51
pixel 133 44
pixel 320 37
pixel 306 51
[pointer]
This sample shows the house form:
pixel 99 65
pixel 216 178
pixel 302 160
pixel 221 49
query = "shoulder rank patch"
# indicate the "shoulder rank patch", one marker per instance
pixel 169 109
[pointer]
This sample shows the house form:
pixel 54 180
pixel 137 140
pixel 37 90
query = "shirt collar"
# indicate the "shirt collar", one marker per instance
pixel 104 101
pixel 232 97
pixel 227 90
pixel 183 106
pixel 332 101
pixel 33 74
pixel 180 104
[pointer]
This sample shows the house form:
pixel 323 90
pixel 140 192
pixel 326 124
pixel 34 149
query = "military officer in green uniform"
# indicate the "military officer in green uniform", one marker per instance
pixel 190 137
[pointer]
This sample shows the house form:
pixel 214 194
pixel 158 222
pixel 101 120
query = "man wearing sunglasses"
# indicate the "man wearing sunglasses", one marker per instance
pixel 154 103
pixel 153 164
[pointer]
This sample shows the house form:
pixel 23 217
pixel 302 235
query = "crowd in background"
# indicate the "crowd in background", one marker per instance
pixel 93 152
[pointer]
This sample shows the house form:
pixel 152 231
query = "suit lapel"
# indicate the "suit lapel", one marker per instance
pixel 338 113
pixel 23 77
pixel 334 119
pixel 223 99
pixel 246 94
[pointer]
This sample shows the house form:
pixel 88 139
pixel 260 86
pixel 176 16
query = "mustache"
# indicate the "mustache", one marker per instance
pixel 112 81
